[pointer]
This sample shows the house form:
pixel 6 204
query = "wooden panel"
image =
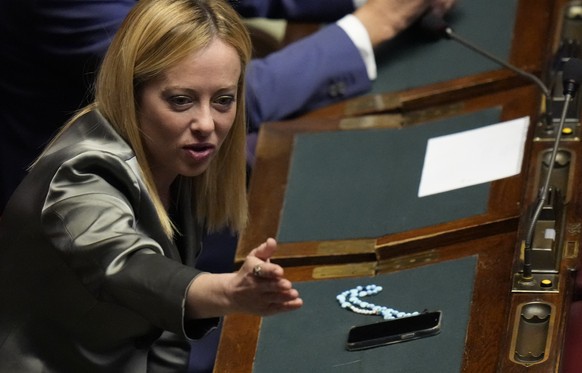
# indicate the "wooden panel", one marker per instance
pixel 487 322
pixel 269 180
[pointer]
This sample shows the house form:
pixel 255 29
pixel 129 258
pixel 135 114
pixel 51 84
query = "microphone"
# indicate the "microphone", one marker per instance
pixel 437 26
pixel 571 78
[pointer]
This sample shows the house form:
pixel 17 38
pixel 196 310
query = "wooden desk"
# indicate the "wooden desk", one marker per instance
pixel 494 237
pixel 500 305
pixel 392 109
pixel 269 180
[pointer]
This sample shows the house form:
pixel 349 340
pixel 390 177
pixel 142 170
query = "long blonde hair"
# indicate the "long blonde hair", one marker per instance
pixel 156 35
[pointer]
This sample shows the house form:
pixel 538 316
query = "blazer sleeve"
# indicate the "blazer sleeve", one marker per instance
pixel 99 218
pixel 315 71
pixel 301 10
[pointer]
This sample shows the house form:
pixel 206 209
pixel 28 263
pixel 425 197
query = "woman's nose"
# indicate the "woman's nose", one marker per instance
pixel 203 121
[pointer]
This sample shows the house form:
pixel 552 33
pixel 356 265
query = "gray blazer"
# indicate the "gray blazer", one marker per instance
pixel 88 280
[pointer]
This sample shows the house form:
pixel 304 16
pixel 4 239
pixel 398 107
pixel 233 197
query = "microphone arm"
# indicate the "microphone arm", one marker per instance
pixel 527 252
pixel 452 35
pixel 437 26
pixel 572 75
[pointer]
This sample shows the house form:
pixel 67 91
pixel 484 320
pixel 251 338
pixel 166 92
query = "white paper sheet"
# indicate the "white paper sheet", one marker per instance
pixel 473 157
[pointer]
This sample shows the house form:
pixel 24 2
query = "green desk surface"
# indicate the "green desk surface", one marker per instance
pixel 312 339
pixel 364 184
pixel 413 60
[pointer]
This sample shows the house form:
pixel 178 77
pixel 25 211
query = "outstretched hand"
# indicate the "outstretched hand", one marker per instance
pixel 258 287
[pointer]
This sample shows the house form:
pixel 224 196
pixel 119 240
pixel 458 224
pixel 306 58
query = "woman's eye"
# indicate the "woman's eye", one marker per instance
pixel 180 101
pixel 225 101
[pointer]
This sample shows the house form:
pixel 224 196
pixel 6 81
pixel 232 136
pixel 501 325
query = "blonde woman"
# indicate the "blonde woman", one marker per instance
pixel 98 243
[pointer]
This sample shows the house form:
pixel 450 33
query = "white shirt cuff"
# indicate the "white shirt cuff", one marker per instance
pixel 359 36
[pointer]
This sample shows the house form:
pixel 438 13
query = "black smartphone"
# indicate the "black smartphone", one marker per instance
pixel 394 331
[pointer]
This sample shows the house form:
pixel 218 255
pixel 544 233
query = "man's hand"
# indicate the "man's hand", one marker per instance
pixel 384 19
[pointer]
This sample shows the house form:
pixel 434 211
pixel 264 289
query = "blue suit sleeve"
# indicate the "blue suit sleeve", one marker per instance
pixel 315 71
pixel 302 10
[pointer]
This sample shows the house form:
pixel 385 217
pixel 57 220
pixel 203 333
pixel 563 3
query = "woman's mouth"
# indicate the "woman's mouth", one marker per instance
pixel 199 152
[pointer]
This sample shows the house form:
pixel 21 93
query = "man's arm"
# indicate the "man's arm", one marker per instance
pixel 315 71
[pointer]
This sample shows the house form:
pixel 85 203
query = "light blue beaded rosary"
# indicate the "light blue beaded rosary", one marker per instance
pixel 350 299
